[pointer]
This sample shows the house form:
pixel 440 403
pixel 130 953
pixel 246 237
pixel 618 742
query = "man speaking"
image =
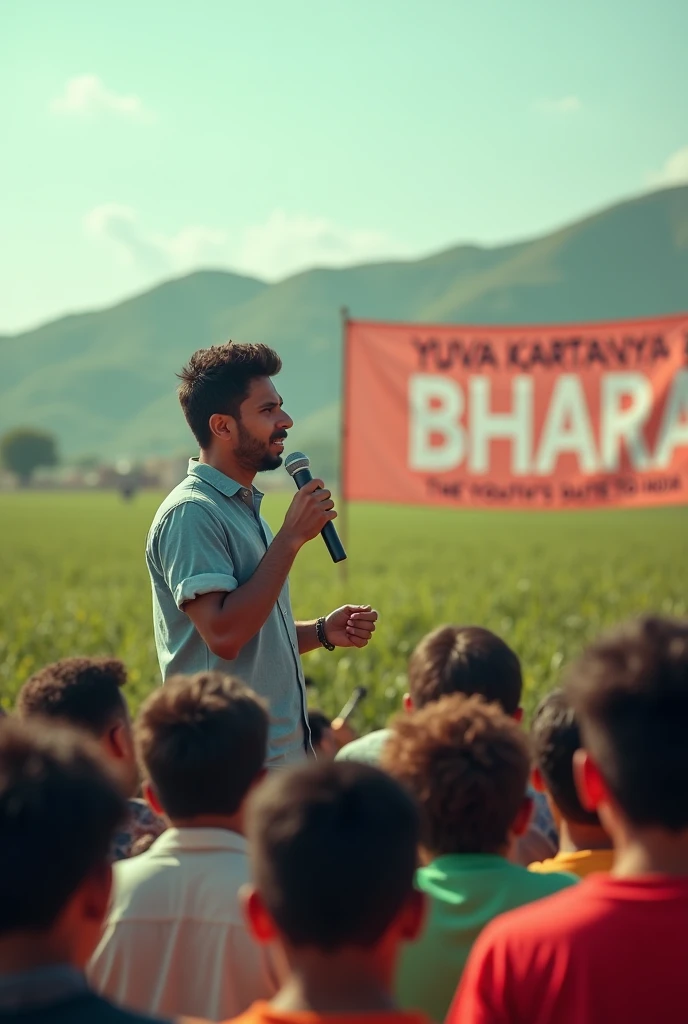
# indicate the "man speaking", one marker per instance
pixel 219 578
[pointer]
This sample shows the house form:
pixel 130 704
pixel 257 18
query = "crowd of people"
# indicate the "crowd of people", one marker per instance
pixel 222 858
pixel 161 868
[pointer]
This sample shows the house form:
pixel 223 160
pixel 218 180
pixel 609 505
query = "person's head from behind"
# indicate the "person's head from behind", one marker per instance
pixel 323 739
pixel 555 738
pixel 60 806
pixel 468 660
pixel 86 693
pixel 629 690
pixel 467 763
pixel 202 743
pixel 231 404
pixel 333 853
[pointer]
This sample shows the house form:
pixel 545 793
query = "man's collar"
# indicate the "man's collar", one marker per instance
pixel 220 481
pixel 178 839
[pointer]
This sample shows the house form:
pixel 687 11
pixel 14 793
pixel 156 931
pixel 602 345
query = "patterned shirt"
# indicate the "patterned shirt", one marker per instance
pixel 141 822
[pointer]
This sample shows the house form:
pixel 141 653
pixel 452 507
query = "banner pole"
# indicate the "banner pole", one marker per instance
pixel 343 517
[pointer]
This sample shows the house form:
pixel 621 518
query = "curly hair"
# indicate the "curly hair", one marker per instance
pixel 467 763
pixel 85 692
pixel 218 379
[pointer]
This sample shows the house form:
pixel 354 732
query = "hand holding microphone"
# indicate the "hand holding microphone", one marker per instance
pixel 312 510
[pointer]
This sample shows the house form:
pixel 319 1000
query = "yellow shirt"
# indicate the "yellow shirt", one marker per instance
pixel 579 862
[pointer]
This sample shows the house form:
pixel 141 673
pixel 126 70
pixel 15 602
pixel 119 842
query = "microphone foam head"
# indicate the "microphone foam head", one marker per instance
pixel 296 461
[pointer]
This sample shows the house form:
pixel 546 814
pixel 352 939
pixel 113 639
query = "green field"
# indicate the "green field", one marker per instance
pixel 74 581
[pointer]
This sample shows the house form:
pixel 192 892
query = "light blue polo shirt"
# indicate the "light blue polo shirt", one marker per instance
pixel 208 535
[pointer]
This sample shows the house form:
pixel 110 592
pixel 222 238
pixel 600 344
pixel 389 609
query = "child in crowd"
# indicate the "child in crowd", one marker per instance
pixel 87 693
pixel 467 763
pixel 59 808
pixel 175 940
pixel 333 852
pixel 613 949
pixel 468 660
pixel 584 846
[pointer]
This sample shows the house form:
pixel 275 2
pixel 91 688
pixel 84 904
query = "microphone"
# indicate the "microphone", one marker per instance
pixel 297 466
pixel 354 700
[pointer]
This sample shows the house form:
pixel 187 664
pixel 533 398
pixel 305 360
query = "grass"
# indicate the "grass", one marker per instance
pixel 74 581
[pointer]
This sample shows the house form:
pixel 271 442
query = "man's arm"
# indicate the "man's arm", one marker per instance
pixel 352 625
pixel 227 621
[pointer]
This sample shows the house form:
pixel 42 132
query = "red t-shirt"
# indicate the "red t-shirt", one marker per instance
pixel 603 951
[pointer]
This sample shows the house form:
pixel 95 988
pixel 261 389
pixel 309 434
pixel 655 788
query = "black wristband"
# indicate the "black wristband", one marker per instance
pixel 320 633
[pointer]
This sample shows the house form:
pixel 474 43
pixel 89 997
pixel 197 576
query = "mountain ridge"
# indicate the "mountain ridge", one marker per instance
pixel 104 380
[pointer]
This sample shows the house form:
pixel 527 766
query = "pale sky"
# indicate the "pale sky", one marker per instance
pixel 142 138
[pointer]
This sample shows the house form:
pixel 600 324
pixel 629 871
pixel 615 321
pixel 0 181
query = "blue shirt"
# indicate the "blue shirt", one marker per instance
pixel 208 536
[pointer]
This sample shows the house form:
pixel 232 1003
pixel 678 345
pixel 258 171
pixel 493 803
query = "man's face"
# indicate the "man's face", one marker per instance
pixel 261 427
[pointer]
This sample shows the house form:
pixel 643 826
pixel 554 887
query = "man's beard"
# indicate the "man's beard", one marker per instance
pixel 254 454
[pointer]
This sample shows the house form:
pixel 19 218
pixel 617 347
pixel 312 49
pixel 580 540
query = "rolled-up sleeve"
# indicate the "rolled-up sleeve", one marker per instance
pixel 193 554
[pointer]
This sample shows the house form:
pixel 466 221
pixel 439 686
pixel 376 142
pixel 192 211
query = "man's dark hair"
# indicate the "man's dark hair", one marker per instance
pixel 333 848
pixel 555 738
pixel 467 764
pixel 202 741
pixel 468 660
pixel 218 380
pixel 83 692
pixel 319 724
pixel 59 810
pixel 630 692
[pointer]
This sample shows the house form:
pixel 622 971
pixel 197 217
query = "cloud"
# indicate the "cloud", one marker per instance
pixel 286 243
pixel 282 245
pixel 119 227
pixel 88 95
pixel 674 171
pixel 565 105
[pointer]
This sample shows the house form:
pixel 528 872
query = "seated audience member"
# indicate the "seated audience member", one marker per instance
pixel 175 941
pixel 333 852
pixel 584 846
pixel 59 808
pixel 615 948
pixel 87 694
pixel 467 763
pixel 323 739
pixel 468 660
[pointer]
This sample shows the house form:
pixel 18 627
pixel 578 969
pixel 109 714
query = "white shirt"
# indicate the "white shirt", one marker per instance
pixel 175 941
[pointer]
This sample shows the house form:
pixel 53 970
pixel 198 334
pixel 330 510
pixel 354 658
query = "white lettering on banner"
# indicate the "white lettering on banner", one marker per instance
pixel 486 426
pixel 567 428
pixel 440 442
pixel 627 424
pixel 673 432
pixel 436 405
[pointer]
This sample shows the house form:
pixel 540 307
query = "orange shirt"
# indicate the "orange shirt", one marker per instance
pixel 578 862
pixel 264 1013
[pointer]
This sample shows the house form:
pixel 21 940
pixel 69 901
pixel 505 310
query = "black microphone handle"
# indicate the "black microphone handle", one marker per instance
pixel 328 533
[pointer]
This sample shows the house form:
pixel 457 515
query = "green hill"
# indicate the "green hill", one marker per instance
pixel 104 381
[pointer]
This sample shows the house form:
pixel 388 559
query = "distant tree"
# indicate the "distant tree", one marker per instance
pixel 25 450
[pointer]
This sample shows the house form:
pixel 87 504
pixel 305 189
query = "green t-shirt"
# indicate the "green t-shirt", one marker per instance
pixel 465 892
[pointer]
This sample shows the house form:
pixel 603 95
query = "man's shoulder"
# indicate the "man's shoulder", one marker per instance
pixel 149 886
pixel 561 913
pixel 548 883
pixel 92 1008
pixel 367 749
pixel 190 496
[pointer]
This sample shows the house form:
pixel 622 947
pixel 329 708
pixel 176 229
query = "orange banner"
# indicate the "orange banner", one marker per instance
pixel 569 416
